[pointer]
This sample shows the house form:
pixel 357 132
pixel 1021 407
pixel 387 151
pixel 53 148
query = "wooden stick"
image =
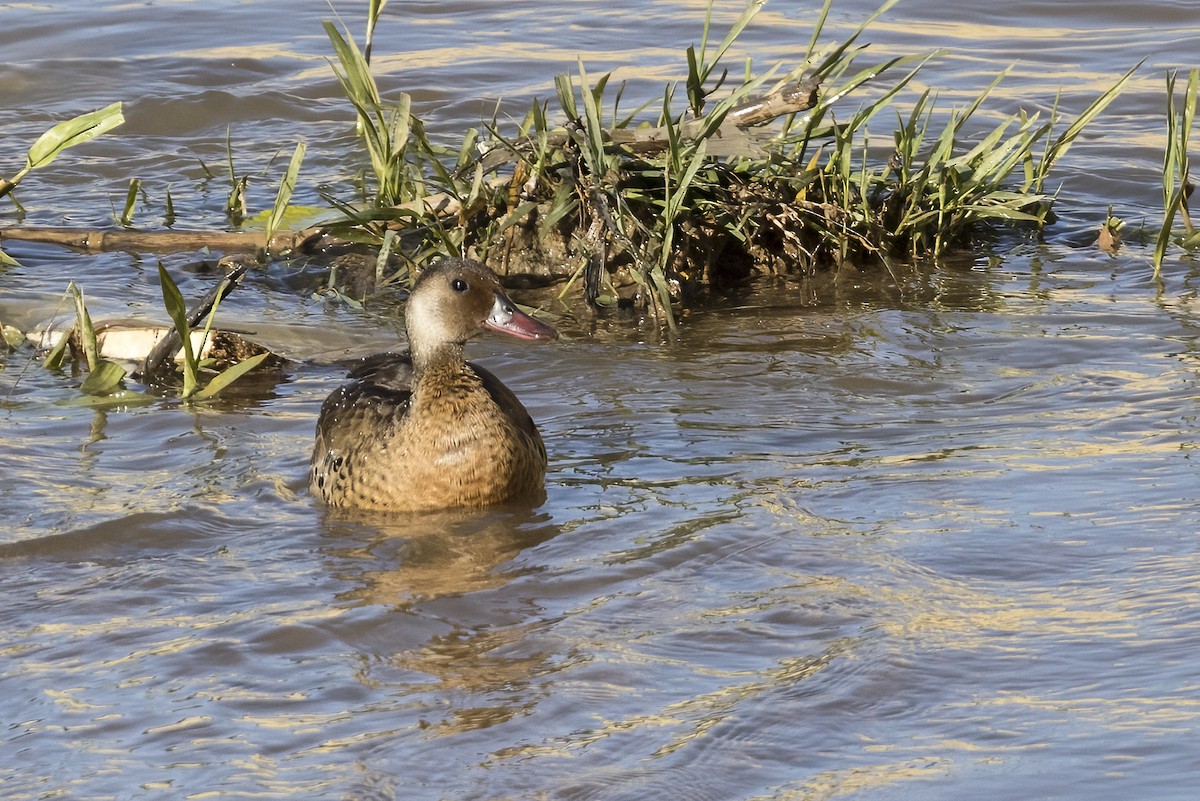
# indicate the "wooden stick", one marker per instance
pixel 160 241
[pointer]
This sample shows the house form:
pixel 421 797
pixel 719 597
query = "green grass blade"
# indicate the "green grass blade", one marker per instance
pixel 284 195
pixel 566 95
pixel 63 135
pixel 870 74
pixel 1163 240
pixel 83 320
pixel 231 374
pixel 1170 152
pixel 374 9
pixel 57 356
pixel 177 310
pixel 1059 147
pixel 358 81
pixel 105 377
pixel 72 132
pixel 831 61
pixel 735 31
pixel 126 219
pixel 401 124
pixel 593 120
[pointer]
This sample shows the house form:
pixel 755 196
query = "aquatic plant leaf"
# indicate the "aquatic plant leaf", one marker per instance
pixel 83 322
pixel 284 195
pixel 57 356
pixel 358 81
pixel 104 378
pixel 818 27
pixel 126 218
pixel 401 124
pixel 177 310
pixel 750 12
pixel 233 373
pixel 566 95
pixel 73 132
pixel 293 218
pixel 374 9
pixel 1062 143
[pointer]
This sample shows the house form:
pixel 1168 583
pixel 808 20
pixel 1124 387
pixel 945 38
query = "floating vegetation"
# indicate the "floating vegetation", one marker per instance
pixel 718 179
pixel 752 178
pixel 197 362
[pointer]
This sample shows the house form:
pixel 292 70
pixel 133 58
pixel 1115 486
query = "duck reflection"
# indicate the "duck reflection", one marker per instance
pixel 441 583
pixel 400 560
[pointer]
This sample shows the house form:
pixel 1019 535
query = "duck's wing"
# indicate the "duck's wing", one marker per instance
pixel 508 402
pixel 353 419
pixel 390 371
pixel 376 396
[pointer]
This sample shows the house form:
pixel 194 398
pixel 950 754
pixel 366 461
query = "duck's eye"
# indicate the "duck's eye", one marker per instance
pixel 459 285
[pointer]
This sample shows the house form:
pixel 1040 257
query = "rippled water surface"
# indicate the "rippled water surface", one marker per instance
pixel 929 535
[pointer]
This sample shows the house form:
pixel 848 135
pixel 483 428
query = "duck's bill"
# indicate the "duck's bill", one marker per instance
pixel 508 319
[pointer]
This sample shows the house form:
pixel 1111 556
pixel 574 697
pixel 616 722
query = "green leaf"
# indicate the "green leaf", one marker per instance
pixel 566 95
pixel 748 14
pixel 284 195
pixel 357 79
pixel 293 218
pixel 177 309
pixel 83 321
pixel 73 132
pixel 231 374
pixel 126 219
pixel 1058 148
pixel 104 378
pixel 57 356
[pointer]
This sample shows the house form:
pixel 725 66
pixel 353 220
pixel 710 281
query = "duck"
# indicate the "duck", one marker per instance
pixel 425 429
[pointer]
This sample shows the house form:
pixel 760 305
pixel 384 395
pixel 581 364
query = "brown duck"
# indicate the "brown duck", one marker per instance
pixel 426 429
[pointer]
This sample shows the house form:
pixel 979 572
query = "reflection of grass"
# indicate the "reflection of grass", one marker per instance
pixel 1176 175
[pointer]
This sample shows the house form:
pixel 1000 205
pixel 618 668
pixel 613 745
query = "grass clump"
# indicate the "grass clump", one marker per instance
pixel 729 173
pixel 718 180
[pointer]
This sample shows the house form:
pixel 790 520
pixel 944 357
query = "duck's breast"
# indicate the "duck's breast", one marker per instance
pixel 461 438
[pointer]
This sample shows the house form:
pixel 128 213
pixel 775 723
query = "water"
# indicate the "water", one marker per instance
pixel 924 536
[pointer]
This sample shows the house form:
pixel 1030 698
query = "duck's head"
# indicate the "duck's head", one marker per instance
pixel 457 299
